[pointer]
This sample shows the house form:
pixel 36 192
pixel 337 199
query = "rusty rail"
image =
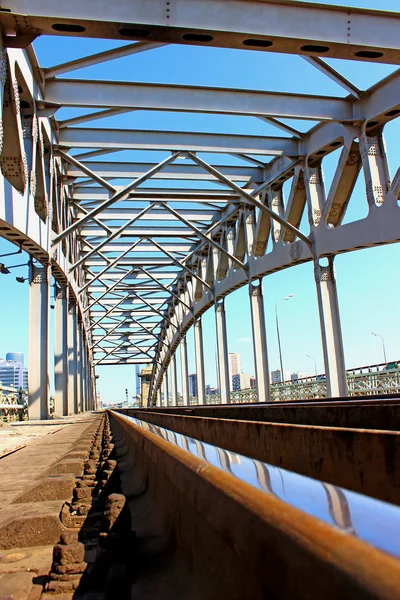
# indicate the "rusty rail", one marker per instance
pixel 229 526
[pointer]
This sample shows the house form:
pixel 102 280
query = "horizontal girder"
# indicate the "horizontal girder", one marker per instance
pixel 116 94
pixel 177 140
pixel 273 26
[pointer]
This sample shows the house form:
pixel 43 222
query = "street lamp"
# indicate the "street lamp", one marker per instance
pixel 315 363
pixel 383 344
pixel 277 331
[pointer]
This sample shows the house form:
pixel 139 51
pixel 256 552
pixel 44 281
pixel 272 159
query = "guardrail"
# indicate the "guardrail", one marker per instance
pixel 360 382
pixel 219 524
pixel 13 403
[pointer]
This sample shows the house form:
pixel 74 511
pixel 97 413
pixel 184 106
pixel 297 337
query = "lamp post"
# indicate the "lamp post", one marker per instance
pixel 277 331
pixel 315 363
pixel 383 344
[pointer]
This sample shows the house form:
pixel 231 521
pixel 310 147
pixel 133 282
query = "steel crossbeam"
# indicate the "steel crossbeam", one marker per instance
pixel 144 96
pixel 270 26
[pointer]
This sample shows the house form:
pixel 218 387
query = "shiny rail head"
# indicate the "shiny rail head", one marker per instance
pixel 372 521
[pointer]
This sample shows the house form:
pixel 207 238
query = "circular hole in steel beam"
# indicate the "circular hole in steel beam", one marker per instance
pixel 315 48
pixel 335 144
pixel 133 32
pixel 257 43
pixel 372 123
pixel 368 54
pixel 392 113
pixel 320 152
pixel 24 104
pixel 68 27
pixel 197 37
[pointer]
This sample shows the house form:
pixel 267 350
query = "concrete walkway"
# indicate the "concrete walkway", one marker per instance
pixel 14 436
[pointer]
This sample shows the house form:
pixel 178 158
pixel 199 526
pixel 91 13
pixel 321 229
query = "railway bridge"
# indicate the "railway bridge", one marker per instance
pixel 141 231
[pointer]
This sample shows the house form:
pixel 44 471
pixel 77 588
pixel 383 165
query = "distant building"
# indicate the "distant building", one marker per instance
pixel 242 381
pixel 13 373
pixel 137 380
pixel 193 385
pixel 145 376
pixel 16 357
pixel 276 376
pixel 208 389
pixel 235 367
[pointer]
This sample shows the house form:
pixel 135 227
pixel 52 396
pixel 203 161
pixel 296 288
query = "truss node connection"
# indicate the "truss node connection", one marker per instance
pixel 146 229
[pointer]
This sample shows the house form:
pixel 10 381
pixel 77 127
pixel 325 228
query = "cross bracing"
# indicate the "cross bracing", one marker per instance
pixel 148 227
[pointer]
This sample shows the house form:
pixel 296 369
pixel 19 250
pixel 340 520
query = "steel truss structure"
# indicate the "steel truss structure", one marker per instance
pixel 136 266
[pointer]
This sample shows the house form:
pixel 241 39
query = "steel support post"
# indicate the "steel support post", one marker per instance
pixel 259 342
pixel 174 381
pixel 79 368
pixel 84 376
pixel 222 347
pixel 165 388
pixel 199 353
pixel 185 373
pixel 331 331
pixel 61 352
pixel 72 358
pixel 39 327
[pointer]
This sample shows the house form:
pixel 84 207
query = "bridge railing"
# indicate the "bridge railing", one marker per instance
pixel 363 381
pixel 13 403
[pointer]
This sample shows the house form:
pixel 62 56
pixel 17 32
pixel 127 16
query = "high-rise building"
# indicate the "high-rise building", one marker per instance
pixel 242 381
pixel 276 376
pixel 13 373
pixel 235 368
pixel 193 385
pixel 16 357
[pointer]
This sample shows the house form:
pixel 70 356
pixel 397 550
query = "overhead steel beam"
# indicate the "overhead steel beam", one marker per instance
pixel 110 238
pixel 123 170
pixel 108 267
pixel 271 26
pixel 170 292
pixel 109 290
pixel 115 198
pixel 130 139
pixel 326 69
pixel 101 57
pixel 282 126
pixel 206 238
pixel 101 114
pixel 107 313
pixel 84 169
pixel 176 98
pixel 250 200
pixel 183 266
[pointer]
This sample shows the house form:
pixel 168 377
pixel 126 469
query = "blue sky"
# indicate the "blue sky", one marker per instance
pixel 368 282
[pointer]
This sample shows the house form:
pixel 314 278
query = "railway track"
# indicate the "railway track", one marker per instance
pixel 211 523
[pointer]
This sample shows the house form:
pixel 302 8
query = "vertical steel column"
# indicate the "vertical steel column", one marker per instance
pixel 79 373
pixel 72 357
pixel 165 388
pixel 331 331
pixel 174 382
pixel 184 371
pixel 61 352
pixel 84 374
pixel 259 341
pixel 39 327
pixel 199 353
pixel 222 346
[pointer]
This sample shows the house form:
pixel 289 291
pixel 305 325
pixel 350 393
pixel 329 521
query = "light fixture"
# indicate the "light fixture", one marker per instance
pixel 3 269
pixel 21 279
